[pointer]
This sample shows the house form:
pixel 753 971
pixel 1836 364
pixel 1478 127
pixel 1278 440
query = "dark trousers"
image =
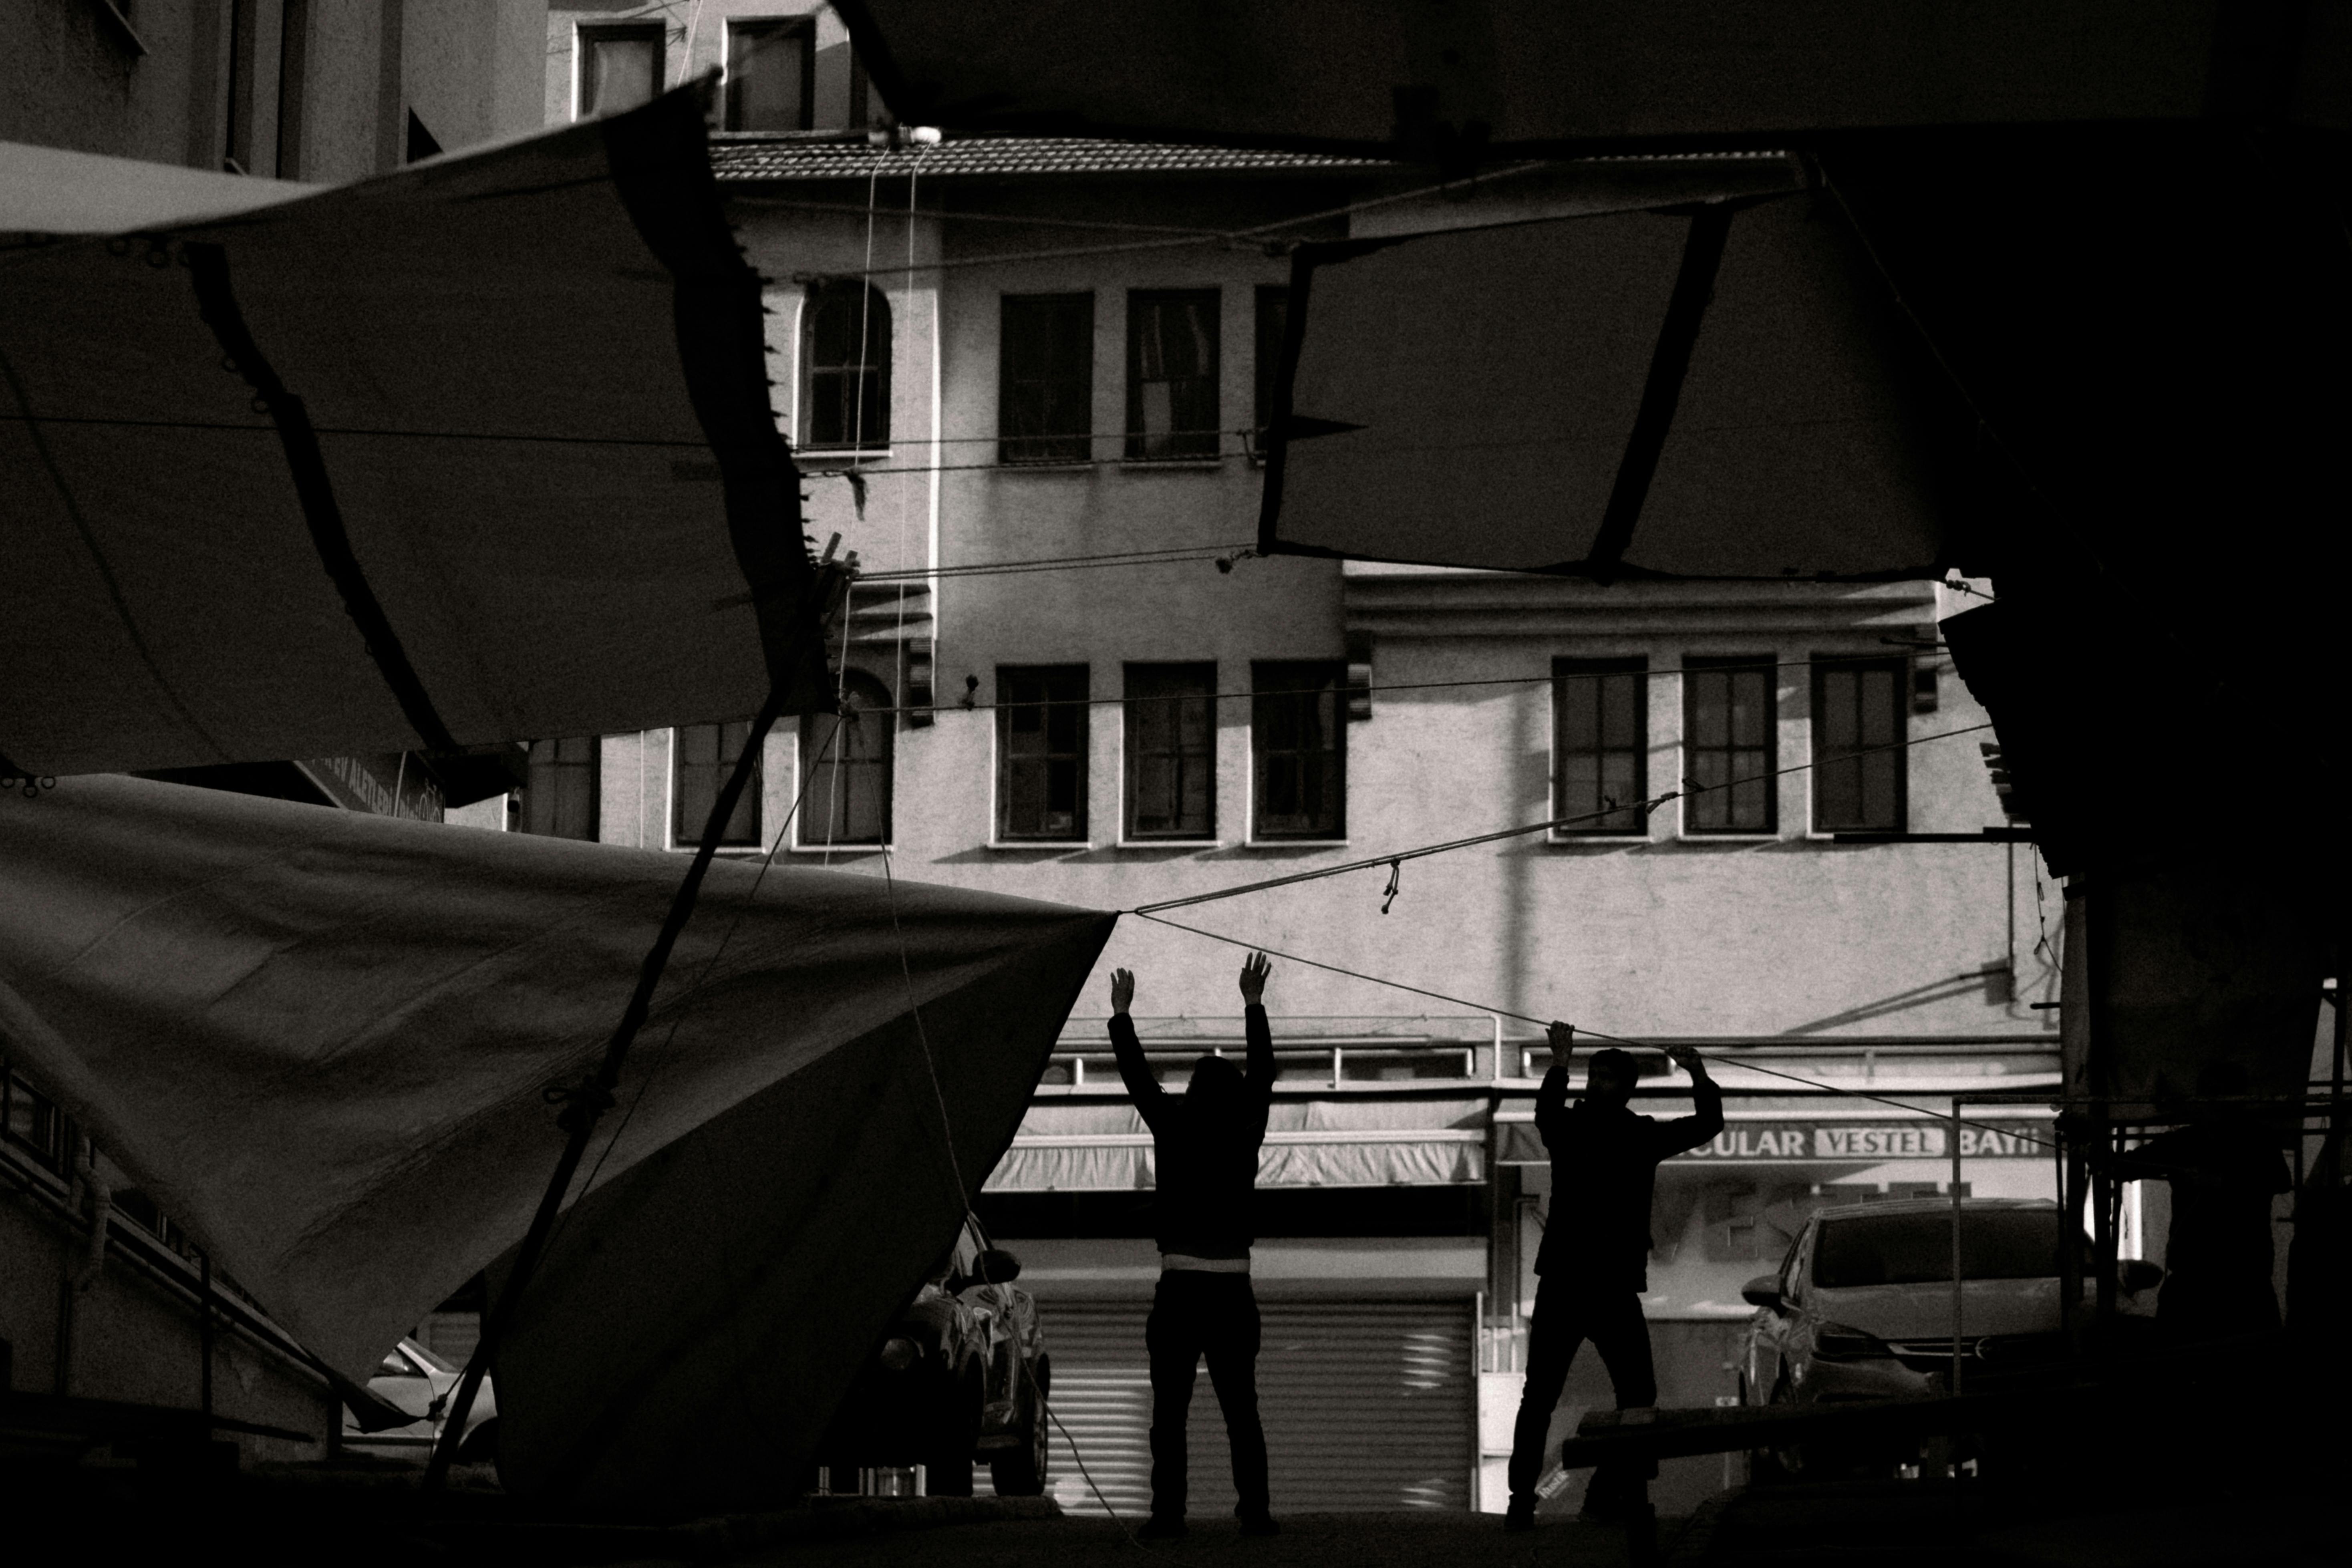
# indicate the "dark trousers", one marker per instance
pixel 1196 1314
pixel 1564 1318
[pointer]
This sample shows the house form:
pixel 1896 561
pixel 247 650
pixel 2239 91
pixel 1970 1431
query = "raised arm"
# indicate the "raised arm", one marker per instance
pixel 1690 1131
pixel 1259 1071
pixel 1552 1096
pixel 1144 1089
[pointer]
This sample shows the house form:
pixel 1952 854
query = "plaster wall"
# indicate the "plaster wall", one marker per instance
pixel 695 42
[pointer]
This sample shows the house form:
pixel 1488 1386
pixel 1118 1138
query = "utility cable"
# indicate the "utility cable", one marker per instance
pixel 1583 1032
pixel 1554 678
pixel 1644 806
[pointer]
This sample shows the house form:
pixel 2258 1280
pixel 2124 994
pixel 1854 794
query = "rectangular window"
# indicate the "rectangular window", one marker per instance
pixel 1858 724
pixel 560 801
pixel 1601 743
pixel 1172 751
pixel 1273 323
pixel 1298 749
pixel 620 68
pixel 1172 373
pixel 1041 730
pixel 1046 379
pixel 771 67
pixel 705 755
pixel 1728 726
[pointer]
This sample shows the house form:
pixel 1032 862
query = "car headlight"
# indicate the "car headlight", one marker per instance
pixel 1835 1342
pixel 900 1352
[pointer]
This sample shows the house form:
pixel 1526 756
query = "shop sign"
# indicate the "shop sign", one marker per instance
pixel 1863 1141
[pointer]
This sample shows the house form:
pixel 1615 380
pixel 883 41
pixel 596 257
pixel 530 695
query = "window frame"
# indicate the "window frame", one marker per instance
pixel 875 304
pixel 880 710
pixel 591 768
pixel 1132 756
pixel 1565 669
pixel 587 35
pixel 1066 447
pixel 1765 665
pixel 1008 706
pixel 803 27
pixel 1332 674
pixel 1183 445
pixel 1897 671
pixel 687 835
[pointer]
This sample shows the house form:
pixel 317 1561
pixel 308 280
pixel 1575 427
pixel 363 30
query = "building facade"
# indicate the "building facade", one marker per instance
pixel 1025 379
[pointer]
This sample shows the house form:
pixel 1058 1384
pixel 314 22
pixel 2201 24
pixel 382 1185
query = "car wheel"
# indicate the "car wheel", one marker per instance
pixel 1787 1460
pixel 1021 1472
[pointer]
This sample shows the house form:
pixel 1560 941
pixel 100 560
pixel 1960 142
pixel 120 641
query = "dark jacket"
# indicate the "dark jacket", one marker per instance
pixel 1605 1163
pixel 1206 1152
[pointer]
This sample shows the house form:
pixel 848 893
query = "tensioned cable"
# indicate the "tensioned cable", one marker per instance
pixel 1552 678
pixel 1263 233
pixel 685 1003
pixel 1643 807
pixel 1542 1023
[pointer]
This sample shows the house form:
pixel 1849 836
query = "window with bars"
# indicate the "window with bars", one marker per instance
pixel 620 68
pixel 1729 728
pixel 771 74
pixel 702 757
pixel 844 368
pixel 1273 322
pixel 1171 373
pixel 847 758
pixel 1858 760
pixel 1172 751
pixel 1298 749
pixel 560 798
pixel 1041 728
pixel 1045 378
pixel 1600 736
pixel 32 1123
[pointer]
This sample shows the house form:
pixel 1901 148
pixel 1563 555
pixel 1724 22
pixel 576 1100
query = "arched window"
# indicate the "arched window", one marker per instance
pixel 844 368
pixel 847 779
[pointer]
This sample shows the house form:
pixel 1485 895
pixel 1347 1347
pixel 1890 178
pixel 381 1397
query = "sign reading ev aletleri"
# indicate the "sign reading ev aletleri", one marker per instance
pixel 1866 1140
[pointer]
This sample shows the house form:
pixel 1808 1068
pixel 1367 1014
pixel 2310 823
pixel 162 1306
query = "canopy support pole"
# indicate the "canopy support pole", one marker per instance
pixel 594 1099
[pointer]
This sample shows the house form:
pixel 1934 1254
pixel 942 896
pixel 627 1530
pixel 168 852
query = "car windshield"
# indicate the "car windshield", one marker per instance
pixel 1915 1248
pixel 425 1356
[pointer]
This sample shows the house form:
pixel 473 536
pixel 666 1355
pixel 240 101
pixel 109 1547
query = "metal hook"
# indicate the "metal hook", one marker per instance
pixel 1396 875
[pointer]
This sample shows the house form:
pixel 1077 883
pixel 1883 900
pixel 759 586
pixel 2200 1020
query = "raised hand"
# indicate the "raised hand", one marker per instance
pixel 1687 1059
pixel 1255 969
pixel 1122 989
pixel 1563 1042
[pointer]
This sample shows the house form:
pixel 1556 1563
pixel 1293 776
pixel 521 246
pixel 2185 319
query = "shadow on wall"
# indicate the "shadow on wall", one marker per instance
pixel 1997 981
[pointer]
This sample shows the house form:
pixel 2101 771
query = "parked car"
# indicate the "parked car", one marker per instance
pixel 961 1375
pixel 1861 1310
pixel 417 1383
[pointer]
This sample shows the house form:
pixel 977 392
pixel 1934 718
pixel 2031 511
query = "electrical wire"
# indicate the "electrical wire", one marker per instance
pixel 1552 678
pixel 1527 1019
pixel 1397 858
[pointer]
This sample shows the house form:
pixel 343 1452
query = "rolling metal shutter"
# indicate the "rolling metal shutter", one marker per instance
pixel 1367 1406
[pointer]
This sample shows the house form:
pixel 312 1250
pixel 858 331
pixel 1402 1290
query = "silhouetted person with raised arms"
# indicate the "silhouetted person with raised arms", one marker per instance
pixel 1206 1145
pixel 1595 1257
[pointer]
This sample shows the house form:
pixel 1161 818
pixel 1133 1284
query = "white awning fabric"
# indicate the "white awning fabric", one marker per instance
pixel 1355 1142
pixel 478 451
pixel 322 1041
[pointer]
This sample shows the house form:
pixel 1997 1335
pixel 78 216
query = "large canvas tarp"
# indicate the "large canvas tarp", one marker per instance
pixel 479 451
pixel 321 1042
pixel 1724 390
pixel 1512 74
